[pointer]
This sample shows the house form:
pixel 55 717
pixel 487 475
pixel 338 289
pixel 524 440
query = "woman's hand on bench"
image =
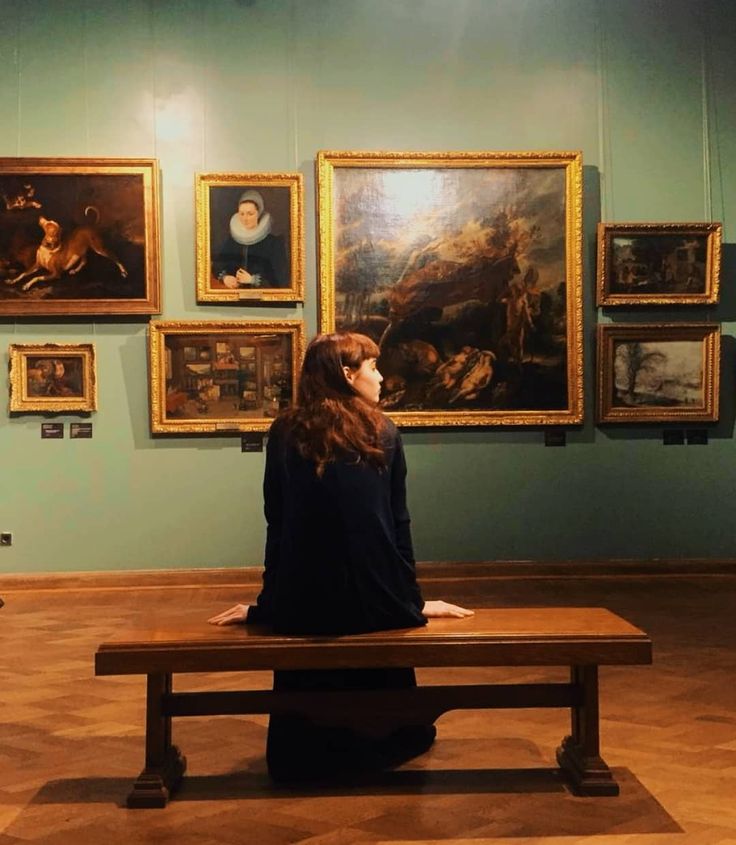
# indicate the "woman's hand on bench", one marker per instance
pixel 437 609
pixel 432 610
pixel 236 614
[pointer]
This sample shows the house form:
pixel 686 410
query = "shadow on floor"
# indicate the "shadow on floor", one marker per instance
pixel 530 802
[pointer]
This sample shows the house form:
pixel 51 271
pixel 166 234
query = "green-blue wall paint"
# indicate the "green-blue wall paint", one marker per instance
pixel 647 90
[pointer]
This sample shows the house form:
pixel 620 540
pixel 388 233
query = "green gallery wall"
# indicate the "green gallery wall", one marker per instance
pixel 645 88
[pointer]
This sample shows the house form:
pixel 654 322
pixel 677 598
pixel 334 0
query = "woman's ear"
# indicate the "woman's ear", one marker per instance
pixel 349 374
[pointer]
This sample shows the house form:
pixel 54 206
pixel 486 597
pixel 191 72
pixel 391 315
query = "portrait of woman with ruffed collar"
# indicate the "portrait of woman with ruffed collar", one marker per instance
pixel 249 236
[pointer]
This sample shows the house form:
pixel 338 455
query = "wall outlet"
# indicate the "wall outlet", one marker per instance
pixel 6 538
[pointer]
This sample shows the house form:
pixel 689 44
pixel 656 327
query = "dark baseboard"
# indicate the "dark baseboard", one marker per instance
pixel 427 572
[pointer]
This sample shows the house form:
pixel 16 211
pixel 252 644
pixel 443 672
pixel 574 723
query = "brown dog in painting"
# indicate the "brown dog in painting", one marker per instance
pixel 56 256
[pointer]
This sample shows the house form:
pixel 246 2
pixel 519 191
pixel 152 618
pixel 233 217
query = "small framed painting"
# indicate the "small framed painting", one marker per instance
pixel 658 373
pixel 52 378
pixel 658 263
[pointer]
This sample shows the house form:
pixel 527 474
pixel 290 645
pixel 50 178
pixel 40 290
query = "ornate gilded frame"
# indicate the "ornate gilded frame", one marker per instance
pixel 180 389
pixel 645 353
pixel 216 196
pixel 500 172
pixel 54 391
pixel 678 278
pixel 108 208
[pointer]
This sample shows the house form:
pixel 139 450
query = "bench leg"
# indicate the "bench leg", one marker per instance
pixel 579 755
pixel 164 762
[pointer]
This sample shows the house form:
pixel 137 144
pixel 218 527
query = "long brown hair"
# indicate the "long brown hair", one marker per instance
pixel 330 419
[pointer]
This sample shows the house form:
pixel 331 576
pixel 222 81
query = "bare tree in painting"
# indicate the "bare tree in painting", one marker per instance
pixel 637 360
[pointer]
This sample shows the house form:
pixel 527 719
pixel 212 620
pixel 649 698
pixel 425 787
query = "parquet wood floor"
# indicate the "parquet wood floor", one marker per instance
pixel 70 743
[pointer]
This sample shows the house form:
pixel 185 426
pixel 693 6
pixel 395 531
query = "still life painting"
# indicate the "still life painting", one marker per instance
pixel 209 377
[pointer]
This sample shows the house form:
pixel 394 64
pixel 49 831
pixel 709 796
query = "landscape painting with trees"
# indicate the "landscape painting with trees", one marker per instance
pixel 658 263
pixel 657 373
pixel 464 268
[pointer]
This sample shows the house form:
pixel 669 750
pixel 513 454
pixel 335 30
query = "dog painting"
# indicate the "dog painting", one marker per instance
pixel 57 255
pixel 78 237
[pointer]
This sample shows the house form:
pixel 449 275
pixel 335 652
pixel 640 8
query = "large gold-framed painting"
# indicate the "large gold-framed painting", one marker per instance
pixel 465 268
pixel 79 237
pixel 210 377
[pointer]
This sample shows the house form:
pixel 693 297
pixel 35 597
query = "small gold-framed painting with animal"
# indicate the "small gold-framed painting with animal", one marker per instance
pixel 250 237
pixel 654 373
pixel 222 377
pixel 52 378
pixel 79 237
pixel 658 264
pixel 465 269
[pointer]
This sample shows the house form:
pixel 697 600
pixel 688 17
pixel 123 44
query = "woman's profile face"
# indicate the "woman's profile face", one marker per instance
pixel 366 380
pixel 248 214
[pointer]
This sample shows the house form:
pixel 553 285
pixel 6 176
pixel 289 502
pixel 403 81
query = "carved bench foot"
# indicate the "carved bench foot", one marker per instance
pixel 588 775
pixel 155 785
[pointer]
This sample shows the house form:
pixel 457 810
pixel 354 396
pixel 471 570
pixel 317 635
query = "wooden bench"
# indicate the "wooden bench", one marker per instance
pixel 580 638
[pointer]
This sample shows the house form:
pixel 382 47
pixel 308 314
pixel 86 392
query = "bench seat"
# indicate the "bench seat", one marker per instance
pixel 579 638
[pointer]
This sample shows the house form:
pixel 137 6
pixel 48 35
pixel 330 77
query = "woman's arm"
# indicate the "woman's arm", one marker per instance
pixel 280 264
pixel 260 612
pixel 402 520
pixel 227 259
pixel 272 267
pixel 402 528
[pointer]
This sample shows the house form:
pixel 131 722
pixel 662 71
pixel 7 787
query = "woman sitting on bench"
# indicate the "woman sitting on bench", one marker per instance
pixel 339 557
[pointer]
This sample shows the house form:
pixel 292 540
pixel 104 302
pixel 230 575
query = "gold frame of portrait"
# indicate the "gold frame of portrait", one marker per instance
pixel 707 334
pixel 157 334
pixel 328 162
pixel 713 233
pixel 295 184
pixel 22 402
pixel 147 168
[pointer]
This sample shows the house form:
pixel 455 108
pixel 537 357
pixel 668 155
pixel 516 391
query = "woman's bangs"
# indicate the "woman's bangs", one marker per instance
pixel 357 348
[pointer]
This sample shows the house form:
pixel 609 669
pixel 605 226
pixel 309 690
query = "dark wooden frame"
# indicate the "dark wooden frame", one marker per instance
pixel 580 638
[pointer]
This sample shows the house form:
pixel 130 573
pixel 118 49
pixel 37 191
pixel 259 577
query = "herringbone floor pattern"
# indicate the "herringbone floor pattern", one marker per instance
pixel 70 743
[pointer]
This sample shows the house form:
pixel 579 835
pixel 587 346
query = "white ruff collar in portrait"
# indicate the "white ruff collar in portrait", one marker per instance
pixel 248 237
